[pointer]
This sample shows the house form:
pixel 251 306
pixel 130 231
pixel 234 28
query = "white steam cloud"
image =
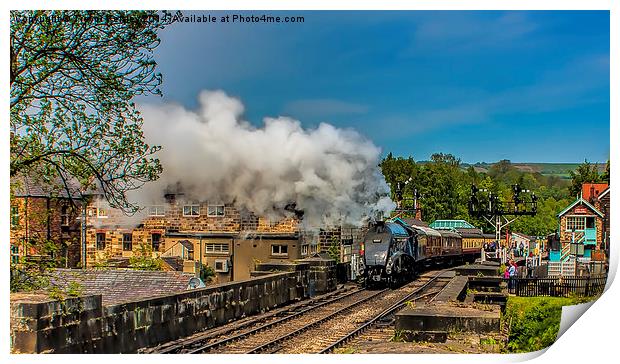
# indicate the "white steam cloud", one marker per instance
pixel 214 155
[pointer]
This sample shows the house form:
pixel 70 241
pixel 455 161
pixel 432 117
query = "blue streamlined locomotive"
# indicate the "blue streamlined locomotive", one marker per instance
pixel 393 251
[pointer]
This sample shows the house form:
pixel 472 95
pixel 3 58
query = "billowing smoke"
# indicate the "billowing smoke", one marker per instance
pixel 330 174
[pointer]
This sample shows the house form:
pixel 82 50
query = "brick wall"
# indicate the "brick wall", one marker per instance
pixel 40 220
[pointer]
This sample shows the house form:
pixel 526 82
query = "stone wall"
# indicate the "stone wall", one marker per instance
pixel 83 325
pixel 322 275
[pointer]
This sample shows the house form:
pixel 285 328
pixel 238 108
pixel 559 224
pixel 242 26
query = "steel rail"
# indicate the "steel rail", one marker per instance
pixel 312 324
pixel 271 324
pixel 220 331
pixel 384 313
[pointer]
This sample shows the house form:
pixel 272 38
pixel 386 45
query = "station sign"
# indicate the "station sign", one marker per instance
pixel 581 210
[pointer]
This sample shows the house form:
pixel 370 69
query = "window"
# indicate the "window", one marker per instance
pixel 14 254
pixel 155 239
pixel 216 248
pixel 127 242
pixel 157 210
pixel 191 210
pixel 313 248
pixel 64 216
pixel 215 210
pixel 102 213
pixel 14 216
pixel 575 222
pixel 279 250
pixel 304 250
pixel 100 241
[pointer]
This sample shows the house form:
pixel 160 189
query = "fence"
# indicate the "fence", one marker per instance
pixel 559 287
pixel 567 268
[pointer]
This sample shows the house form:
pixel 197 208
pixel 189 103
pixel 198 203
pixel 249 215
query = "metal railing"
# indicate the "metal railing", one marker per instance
pixel 558 287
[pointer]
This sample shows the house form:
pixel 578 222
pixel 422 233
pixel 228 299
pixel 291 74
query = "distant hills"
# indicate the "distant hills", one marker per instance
pixel 558 169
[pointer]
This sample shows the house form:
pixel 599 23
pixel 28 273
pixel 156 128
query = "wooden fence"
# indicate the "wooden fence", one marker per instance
pixel 559 286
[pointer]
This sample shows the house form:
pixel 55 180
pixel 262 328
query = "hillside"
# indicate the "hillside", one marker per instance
pixel 547 169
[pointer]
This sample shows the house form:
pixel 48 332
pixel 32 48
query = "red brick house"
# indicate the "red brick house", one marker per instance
pixel 42 215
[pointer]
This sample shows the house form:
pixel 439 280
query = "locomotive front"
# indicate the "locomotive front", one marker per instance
pixel 378 246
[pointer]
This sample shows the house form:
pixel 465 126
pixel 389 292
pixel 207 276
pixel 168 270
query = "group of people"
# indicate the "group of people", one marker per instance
pixel 511 273
pixel 519 251
pixel 490 247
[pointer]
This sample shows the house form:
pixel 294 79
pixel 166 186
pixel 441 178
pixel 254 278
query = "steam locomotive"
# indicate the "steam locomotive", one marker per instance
pixel 393 252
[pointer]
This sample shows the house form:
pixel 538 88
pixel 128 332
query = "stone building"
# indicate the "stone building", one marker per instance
pixel 44 216
pixel 602 202
pixel 217 235
pixel 581 229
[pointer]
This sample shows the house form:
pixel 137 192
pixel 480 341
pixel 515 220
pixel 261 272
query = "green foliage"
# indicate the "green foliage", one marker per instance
pixel 207 273
pixel 488 341
pixel 334 250
pixel 74 289
pixel 534 322
pixel 143 259
pixel 32 272
pixel 586 172
pixel 72 86
pixel 398 336
pixel 445 188
pixel 56 293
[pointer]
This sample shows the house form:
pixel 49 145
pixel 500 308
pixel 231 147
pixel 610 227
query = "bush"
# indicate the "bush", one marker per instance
pixel 206 273
pixel 143 259
pixel 533 322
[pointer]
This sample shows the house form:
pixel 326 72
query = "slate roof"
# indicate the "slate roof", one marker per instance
pixel 26 186
pixel 122 285
pixel 412 221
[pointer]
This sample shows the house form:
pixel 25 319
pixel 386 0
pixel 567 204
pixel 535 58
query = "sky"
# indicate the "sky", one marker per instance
pixel 528 86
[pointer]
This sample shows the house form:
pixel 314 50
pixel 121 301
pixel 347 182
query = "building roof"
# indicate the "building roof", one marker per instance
pixel 123 285
pixel 26 186
pixel 448 224
pixel 524 236
pixel 591 190
pixel 606 192
pixel 411 221
pixel 580 200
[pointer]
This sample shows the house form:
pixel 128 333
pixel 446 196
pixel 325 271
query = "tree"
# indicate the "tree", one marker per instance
pixel 585 173
pixel 143 259
pixel 606 174
pixel 73 77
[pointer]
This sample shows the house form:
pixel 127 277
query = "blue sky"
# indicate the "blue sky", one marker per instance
pixel 529 86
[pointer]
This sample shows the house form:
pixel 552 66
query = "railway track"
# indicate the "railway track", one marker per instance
pixel 249 324
pixel 312 326
pixel 347 327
